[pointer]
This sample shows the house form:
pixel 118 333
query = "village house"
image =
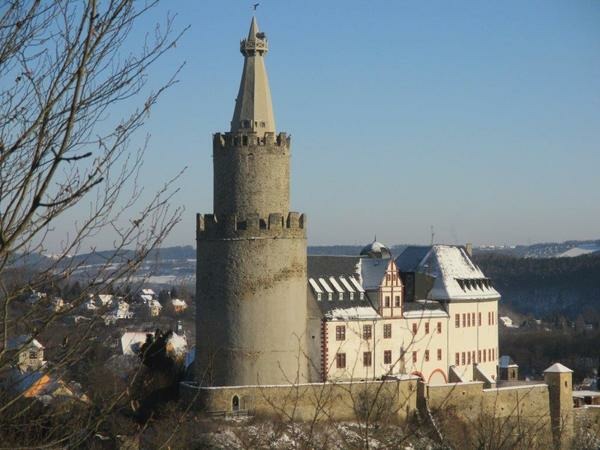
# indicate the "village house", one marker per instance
pixel 178 306
pixel 29 353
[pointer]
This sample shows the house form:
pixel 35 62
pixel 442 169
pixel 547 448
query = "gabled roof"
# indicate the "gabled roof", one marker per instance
pixel 557 368
pixel 18 342
pixel 319 266
pixel 506 361
pixel 372 272
pixel 456 276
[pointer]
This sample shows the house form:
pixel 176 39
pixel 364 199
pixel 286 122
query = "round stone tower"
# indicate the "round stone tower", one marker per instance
pixel 251 253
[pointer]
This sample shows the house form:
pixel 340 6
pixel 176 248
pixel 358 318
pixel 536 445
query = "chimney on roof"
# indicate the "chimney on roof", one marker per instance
pixel 469 249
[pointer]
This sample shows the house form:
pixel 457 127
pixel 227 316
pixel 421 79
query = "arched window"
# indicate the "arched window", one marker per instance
pixel 235 403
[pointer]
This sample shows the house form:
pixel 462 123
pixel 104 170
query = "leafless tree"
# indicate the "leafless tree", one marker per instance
pixel 68 72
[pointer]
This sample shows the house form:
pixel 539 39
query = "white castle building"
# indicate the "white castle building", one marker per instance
pixel 430 312
pixel 267 314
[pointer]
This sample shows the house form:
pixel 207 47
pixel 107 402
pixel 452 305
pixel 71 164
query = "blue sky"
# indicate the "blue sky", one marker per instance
pixel 479 118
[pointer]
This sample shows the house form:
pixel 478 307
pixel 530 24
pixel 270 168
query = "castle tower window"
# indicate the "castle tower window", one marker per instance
pixel 426 327
pixel 387 357
pixel 244 140
pixel 457 359
pixel 473 318
pixel 415 327
pixel 439 354
pixel 387 301
pixel 439 327
pixel 397 301
pixel 367 331
pixel 414 357
pixel 464 320
pixel 457 320
pixel 340 360
pixel 426 355
pixel 479 319
pixel 468 319
pixel 235 403
pixel 367 359
pixel 463 358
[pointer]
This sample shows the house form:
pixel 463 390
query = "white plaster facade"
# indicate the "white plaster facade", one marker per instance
pixel 388 335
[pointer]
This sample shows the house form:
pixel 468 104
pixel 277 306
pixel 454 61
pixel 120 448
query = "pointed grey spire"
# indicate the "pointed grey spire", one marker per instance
pixel 253 106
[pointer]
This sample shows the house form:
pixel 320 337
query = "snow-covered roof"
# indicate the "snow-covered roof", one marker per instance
pixel 422 309
pixel 506 361
pixel 154 304
pixel 353 313
pixel 105 299
pixel 557 368
pixel 132 341
pixel 178 302
pixel 586 393
pixel 372 272
pixel 376 250
pixel 456 277
pixel 18 342
pixel 147 297
pixel 177 344
pixel 148 291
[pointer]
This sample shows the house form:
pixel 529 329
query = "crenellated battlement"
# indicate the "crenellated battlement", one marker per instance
pixel 250 139
pixel 209 226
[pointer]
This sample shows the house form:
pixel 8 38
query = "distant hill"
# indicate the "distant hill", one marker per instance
pixel 545 287
pixel 539 279
pixel 545 250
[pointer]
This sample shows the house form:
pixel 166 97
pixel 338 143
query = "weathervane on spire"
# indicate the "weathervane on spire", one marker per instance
pixel 255 6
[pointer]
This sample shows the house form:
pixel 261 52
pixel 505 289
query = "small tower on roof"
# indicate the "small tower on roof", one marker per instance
pixel 253 106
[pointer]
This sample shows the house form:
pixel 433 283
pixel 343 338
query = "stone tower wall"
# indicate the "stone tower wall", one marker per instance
pixel 251 309
pixel 251 174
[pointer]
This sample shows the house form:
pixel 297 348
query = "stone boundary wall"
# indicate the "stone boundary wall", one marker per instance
pixel 587 417
pixel 471 400
pixel 393 400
